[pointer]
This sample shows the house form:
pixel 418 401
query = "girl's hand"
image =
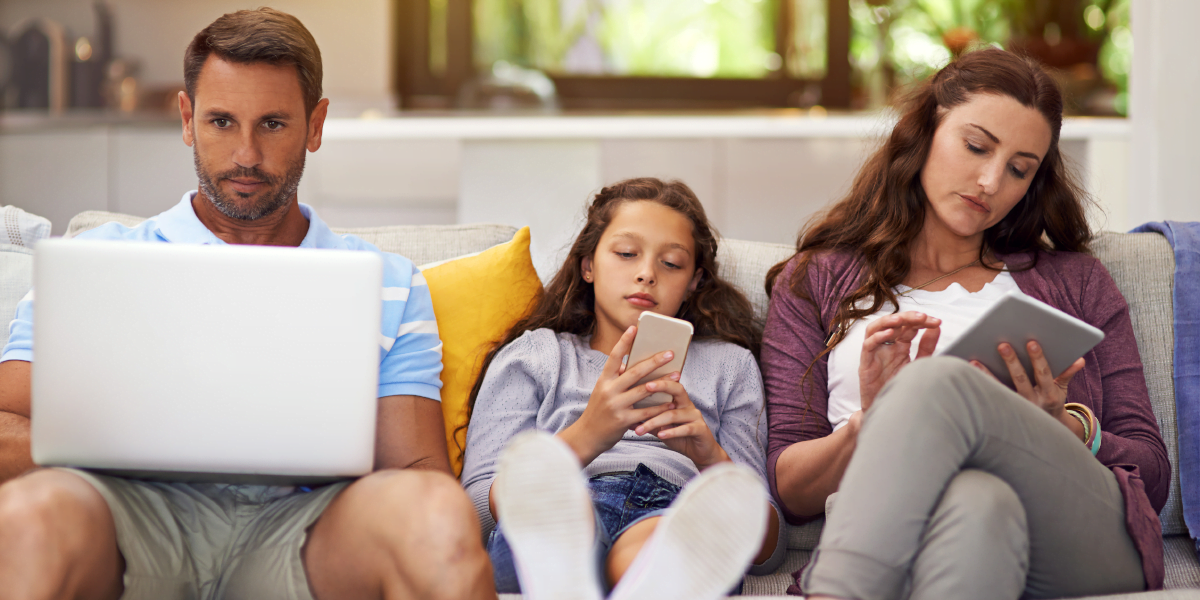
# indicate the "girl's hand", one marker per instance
pixel 610 413
pixel 1046 391
pixel 682 428
pixel 887 347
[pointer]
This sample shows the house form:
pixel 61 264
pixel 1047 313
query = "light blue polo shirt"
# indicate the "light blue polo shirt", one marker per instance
pixel 410 351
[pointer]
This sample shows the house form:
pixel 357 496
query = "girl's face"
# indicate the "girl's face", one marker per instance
pixel 646 260
pixel 984 155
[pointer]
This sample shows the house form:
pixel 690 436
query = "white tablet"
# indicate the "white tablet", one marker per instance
pixel 1019 319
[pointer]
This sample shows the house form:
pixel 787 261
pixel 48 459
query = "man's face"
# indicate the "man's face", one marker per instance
pixel 248 131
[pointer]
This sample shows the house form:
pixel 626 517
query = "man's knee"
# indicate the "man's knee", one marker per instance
pixel 407 503
pixel 50 509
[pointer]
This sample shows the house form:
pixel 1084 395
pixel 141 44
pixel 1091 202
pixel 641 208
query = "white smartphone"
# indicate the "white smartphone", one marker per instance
pixel 1018 320
pixel 655 334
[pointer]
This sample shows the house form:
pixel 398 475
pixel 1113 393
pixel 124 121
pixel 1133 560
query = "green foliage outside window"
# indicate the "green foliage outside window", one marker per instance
pixel 688 38
pixel 893 42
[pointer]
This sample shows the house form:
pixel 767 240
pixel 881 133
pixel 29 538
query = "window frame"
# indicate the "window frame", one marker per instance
pixel 418 87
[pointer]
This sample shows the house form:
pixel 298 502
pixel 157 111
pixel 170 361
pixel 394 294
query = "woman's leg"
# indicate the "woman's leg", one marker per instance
pixel 936 418
pixel 976 544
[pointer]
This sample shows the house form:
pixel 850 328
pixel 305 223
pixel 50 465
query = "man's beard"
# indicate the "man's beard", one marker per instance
pixel 278 193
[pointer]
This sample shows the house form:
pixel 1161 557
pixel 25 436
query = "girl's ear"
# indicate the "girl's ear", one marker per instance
pixel 585 265
pixel 695 280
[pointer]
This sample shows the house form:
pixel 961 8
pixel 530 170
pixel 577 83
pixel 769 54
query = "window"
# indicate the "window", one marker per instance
pixel 681 54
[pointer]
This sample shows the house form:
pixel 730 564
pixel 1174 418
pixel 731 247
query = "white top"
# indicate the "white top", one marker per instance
pixel 955 306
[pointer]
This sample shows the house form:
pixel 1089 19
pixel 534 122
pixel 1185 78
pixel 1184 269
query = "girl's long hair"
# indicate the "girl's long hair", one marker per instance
pixel 717 310
pixel 884 211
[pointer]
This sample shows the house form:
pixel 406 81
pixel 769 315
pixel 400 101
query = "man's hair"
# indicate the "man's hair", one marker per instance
pixel 252 36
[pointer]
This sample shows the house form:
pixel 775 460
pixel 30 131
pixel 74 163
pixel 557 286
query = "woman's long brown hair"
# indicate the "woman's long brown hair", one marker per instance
pixel 885 209
pixel 717 310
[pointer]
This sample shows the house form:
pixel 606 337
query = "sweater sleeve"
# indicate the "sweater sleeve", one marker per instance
pixel 797 400
pixel 507 404
pixel 1129 431
pixel 743 434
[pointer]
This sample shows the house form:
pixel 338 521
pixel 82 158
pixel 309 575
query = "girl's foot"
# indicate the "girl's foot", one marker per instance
pixel 545 510
pixel 705 541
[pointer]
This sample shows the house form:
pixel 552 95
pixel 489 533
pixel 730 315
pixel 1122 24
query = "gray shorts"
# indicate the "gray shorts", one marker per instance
pixel 202 541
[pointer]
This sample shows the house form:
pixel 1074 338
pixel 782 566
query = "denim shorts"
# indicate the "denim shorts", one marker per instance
pixel 620 500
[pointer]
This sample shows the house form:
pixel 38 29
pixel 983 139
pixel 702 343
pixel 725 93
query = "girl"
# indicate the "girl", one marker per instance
pixel 646 245
pixel 1046 490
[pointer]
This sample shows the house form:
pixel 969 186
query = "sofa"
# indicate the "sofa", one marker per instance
pixel 1141 264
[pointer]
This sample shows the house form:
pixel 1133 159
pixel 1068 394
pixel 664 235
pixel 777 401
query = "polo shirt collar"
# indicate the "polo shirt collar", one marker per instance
pixel 181 225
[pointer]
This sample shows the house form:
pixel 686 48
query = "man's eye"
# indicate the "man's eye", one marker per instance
pixel 273 125
pixel 222 123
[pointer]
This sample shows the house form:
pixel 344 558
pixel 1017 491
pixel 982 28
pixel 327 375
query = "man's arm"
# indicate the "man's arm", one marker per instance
pixel 409 434
pixel 14 419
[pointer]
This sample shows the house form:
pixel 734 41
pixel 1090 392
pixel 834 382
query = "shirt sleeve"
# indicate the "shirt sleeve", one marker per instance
pixel 20 332
pixel 411 361
pixel 797 397
pixel 743 435
pixel 508 403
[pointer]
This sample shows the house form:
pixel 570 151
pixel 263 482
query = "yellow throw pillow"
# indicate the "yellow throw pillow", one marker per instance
pixel 476 299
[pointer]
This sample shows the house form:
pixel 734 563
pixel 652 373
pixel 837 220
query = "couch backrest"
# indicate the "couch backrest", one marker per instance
pixel 1142 264
pixel 421 244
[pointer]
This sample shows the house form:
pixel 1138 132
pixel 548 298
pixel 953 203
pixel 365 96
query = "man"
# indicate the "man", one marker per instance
pixel 252 108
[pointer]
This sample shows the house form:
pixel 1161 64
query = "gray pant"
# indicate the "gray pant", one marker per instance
pixel 960 488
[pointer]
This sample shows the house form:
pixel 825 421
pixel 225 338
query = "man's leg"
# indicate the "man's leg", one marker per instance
pixel 57 540
pixel 399 534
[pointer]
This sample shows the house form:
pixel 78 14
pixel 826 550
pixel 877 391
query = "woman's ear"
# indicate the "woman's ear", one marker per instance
pixel 696 280
pixel 585 265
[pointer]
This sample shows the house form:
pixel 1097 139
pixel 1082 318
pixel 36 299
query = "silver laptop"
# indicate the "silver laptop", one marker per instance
pixel 206 363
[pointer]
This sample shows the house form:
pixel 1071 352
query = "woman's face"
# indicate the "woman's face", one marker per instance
pixel 646 260
pixel 984 155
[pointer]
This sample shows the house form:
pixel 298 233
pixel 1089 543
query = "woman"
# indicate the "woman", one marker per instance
pixel 949 484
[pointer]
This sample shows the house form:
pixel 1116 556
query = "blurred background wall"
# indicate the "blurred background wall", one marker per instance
pixel 517 110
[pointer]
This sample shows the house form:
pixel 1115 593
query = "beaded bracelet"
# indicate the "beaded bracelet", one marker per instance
pixel 1092 437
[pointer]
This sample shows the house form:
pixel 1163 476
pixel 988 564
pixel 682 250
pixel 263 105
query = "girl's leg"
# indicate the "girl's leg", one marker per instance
pixel 936 418
pixel 626 548
pixel 549 528
pixel 700 547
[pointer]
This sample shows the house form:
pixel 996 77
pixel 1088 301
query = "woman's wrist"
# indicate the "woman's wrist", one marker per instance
pixel 1074 424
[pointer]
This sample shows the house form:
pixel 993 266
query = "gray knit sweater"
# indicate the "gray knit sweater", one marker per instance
pixel 543 380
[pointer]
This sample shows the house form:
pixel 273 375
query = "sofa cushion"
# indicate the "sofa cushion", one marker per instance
pixel 1143 267
pixel 19 228
pixel 16 278
pixel 476 299
pixel 745 265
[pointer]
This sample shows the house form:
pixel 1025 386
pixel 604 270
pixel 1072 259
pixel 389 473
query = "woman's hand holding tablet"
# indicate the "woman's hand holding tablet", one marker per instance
pixel 1029 346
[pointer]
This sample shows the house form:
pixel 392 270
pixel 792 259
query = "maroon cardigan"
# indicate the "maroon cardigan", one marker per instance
pixel 1112 383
